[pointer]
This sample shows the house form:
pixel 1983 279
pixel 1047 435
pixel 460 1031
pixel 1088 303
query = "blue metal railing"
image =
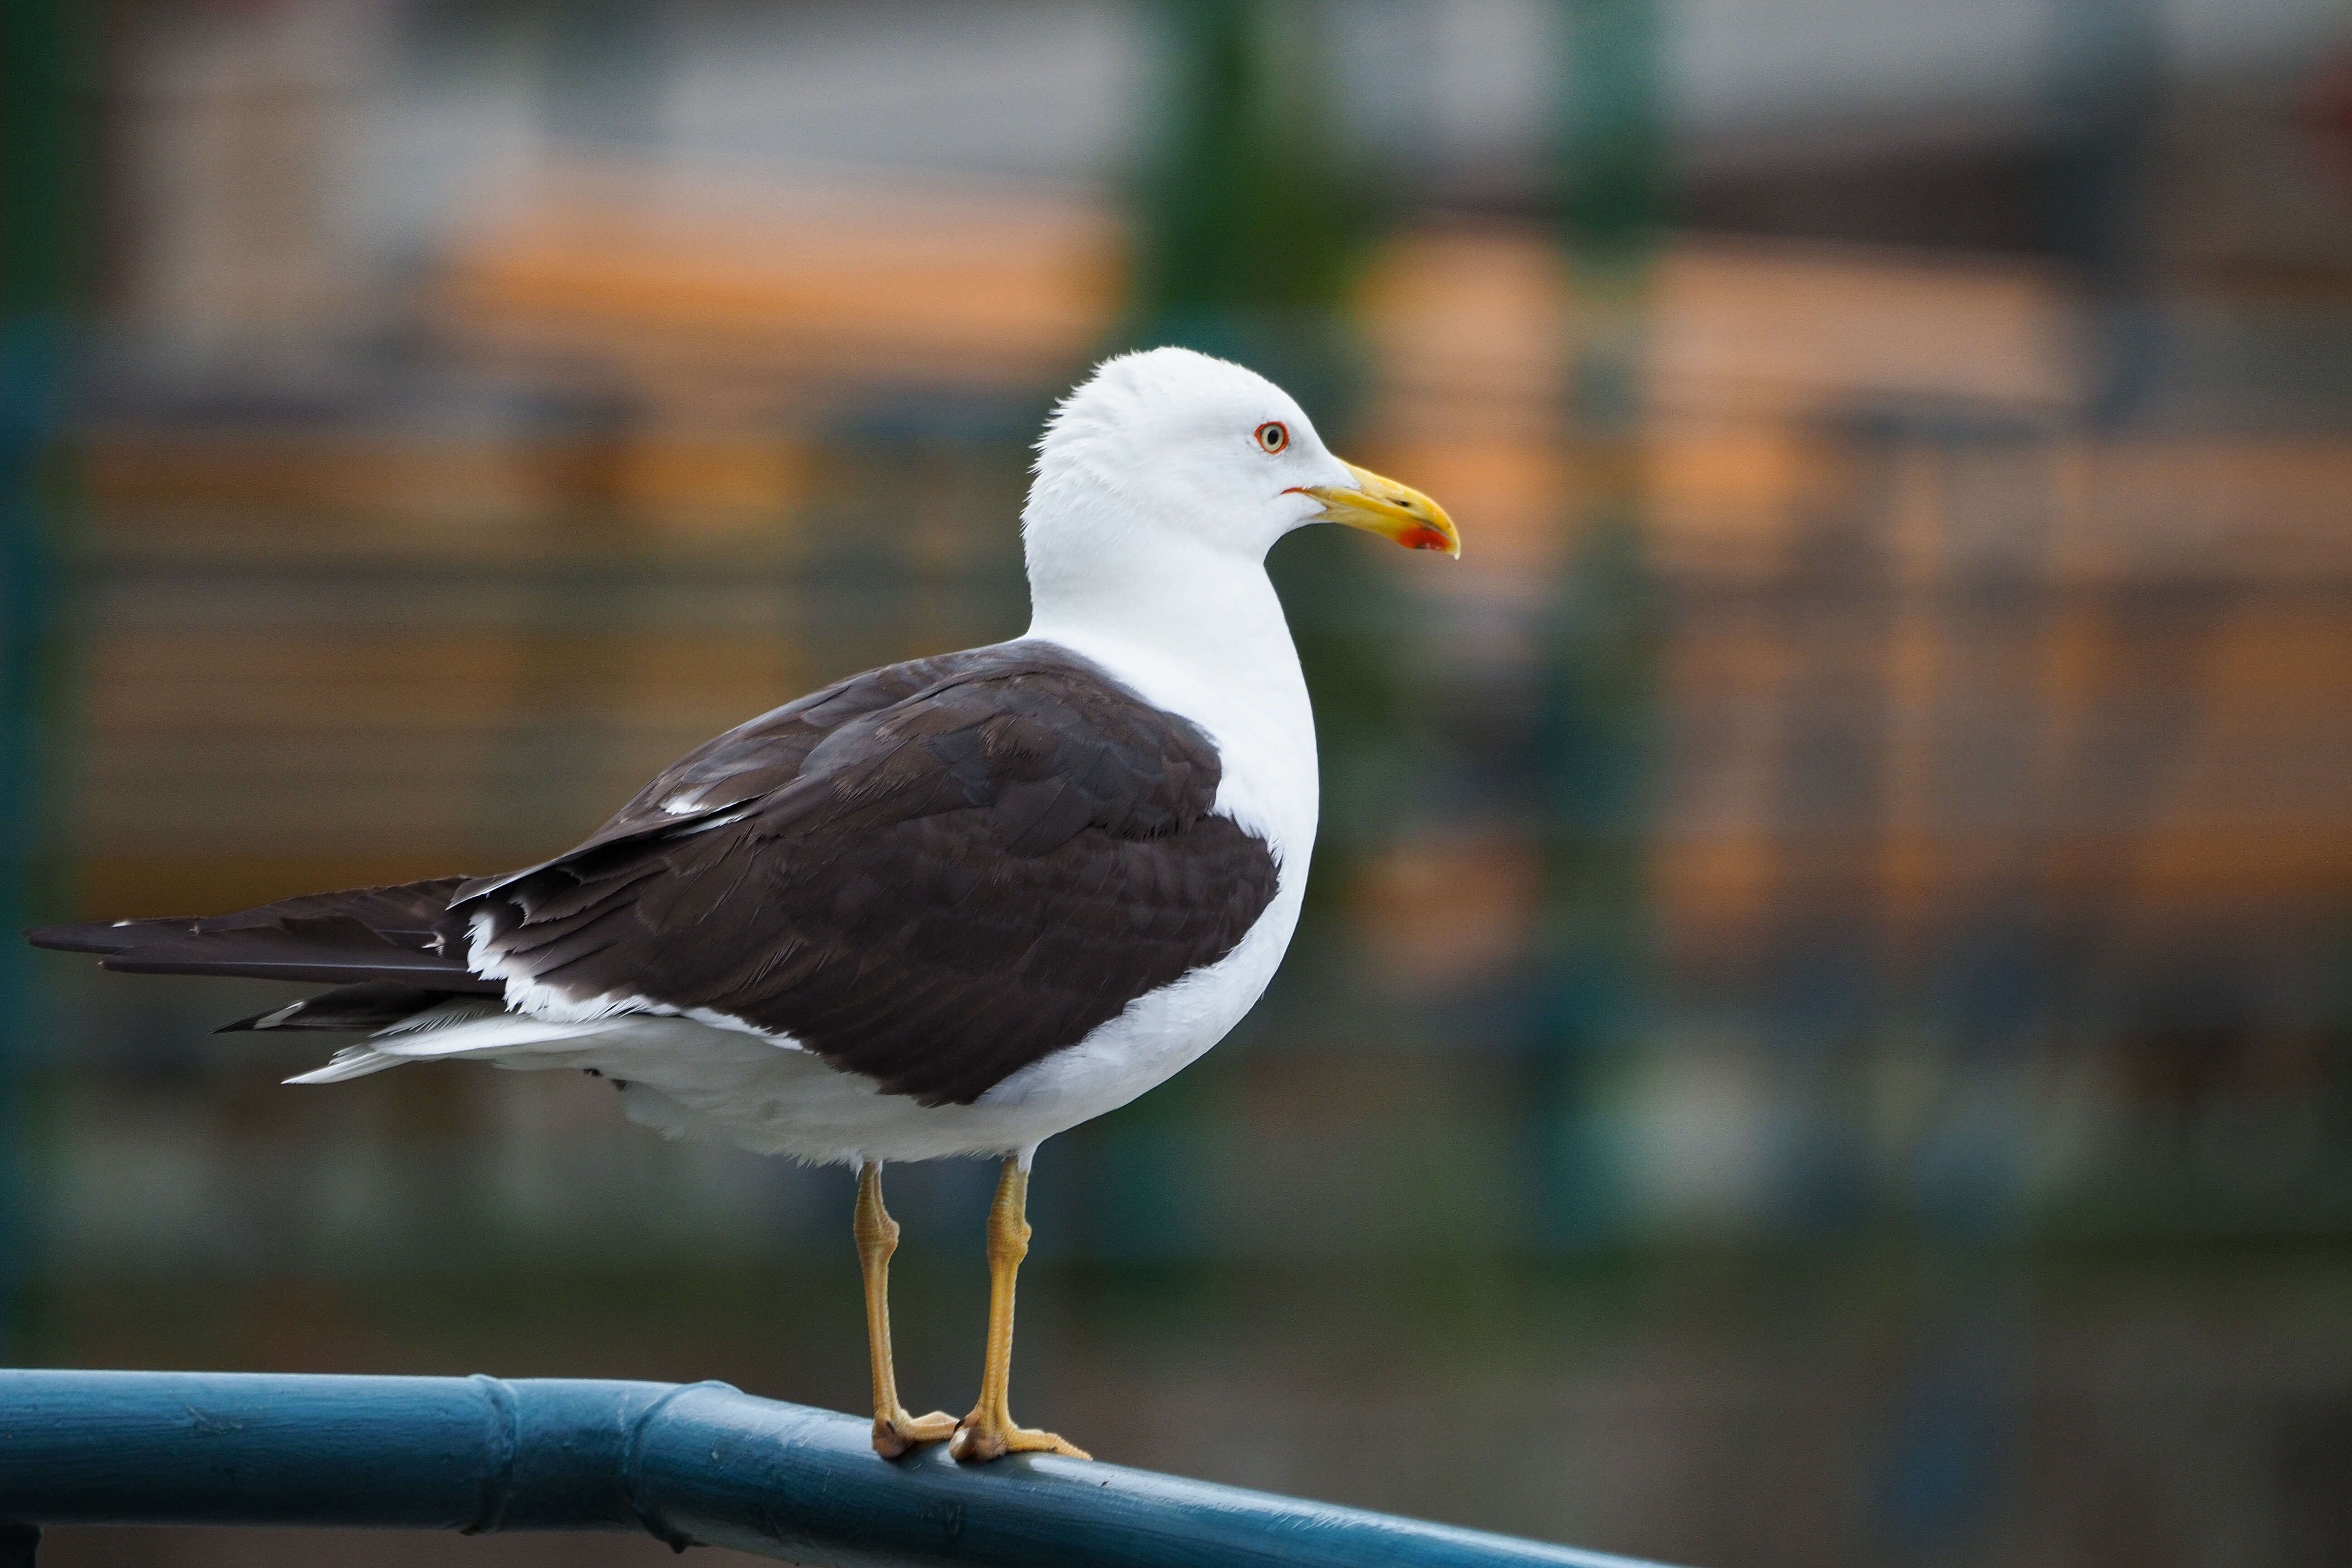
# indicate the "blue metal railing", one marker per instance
pixel 689 1463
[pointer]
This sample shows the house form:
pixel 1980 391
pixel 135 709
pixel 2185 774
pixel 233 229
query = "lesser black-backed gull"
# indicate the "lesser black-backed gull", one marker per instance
pixel 951 906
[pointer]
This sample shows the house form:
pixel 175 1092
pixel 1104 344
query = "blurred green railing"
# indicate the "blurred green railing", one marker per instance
pixel 692 1464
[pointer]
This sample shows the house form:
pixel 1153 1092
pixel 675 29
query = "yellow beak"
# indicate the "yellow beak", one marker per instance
pixel 1389 509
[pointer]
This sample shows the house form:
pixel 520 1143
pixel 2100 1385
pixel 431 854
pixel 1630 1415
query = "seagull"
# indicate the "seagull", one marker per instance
pixel 946 908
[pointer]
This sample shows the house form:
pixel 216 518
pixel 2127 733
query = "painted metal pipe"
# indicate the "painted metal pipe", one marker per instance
pixel 690 1463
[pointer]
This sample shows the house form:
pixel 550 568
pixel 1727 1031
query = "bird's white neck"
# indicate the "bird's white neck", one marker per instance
pixel 1225 626
pixel 1098 571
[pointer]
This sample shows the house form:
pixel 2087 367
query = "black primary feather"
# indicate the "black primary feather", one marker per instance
pixel 403 933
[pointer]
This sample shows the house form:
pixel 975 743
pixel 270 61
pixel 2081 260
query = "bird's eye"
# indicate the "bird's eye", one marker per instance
pixel 1272 437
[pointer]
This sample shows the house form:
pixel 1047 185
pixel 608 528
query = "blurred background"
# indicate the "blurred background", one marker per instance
pixel 1823 1034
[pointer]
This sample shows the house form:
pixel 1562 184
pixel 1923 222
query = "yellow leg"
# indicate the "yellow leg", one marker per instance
pixel 895 1431
pixel 988 1432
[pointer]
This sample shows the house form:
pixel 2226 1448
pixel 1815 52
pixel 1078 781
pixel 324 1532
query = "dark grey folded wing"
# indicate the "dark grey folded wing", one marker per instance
pixel 933 875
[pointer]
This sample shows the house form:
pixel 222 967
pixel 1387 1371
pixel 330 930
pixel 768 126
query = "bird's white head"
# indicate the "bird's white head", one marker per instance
pixel 1162 480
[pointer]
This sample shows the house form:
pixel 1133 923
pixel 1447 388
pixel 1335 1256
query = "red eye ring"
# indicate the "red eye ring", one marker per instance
pixel 1272 437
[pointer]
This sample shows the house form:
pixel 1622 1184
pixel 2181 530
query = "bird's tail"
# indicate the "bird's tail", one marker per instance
pixel 391 953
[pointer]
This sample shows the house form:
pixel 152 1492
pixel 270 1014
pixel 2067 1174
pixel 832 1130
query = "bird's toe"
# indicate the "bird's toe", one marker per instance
pixel 893 1434
pixel 979 1440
